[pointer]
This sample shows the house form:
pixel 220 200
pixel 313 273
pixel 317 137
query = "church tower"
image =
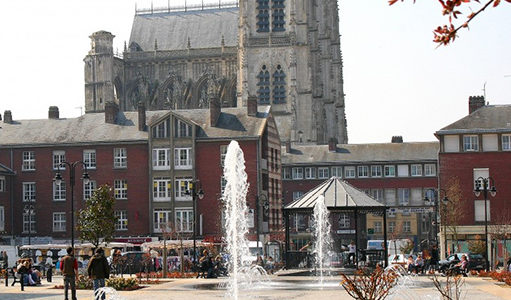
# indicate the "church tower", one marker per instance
pixel 99 68
pixel 289 57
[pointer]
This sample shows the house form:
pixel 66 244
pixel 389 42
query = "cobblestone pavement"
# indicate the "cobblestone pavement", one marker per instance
pixel 279 288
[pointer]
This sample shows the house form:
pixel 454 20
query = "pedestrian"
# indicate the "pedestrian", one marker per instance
pixel 69 269
pixel 435 258
pixel 98 271
pixel 352 250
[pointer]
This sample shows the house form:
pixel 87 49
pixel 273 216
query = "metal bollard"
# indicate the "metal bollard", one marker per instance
pixel 22 281
pixel 6 277
pixel 49 274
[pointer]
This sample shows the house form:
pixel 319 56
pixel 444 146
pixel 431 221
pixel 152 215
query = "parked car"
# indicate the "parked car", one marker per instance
pixel 475 261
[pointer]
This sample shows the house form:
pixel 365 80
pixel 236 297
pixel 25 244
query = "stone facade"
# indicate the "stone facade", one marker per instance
pixel 284 52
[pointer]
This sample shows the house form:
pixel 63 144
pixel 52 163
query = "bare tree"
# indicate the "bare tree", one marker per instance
pixel 452 288
pixel 500 229
pixel 452 214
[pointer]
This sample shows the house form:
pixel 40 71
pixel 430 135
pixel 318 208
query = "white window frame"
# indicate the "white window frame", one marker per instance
pixel 121 189
pixel 349 172
pixel 89 158
pixel 377 226
pixel 181 185
pixel 323 172
pixel 29 191
pixel 88 189
pixel 389 171
pixel 470 143
pixel 392 226
pixel 429 169
pixel 223 153
pixel 26 221
pixel 59 222
pixel 297 194
pixel 161 130
pixel 378 195
pixel 286 173
pixel 403 196
pixel 506 142
pixel 337 171
pixel 2 184
pixel 362 171
pixel 344 220
pixel 2 218
pixel 297 173
pixel 310 173
pixel 407 226
pixel 161 163
pixel 28 161
pixel 178 130
pixel 184 220
pixel 120 158
pixel 122 220
pixel 59 191
pixel 376 171
pixel 161 217
pixel 162 189
pixel 416 170
pixel 182 163
pixel 58 157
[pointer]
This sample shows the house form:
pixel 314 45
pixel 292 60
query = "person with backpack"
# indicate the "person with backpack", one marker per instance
pixel 69 269
pixel 98 271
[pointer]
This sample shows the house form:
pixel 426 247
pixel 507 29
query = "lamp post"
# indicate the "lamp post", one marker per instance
pixel 261 203
pixel 493 191
pixel 196 192
pixel 445 200
pixel 58 180
pixel 29 210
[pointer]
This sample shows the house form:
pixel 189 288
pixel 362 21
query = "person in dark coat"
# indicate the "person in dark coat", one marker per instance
pixel 98 271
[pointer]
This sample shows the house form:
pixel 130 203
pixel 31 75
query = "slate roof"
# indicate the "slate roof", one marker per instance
pixel 338 194
pixel 91 127
pixel 172 30
pixel 232 123
pixel 489 118
pixel 357 153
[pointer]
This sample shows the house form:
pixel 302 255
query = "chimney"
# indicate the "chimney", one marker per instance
pixel 475 103
pixel 252 106
pixel 7 117
pixel 214 110
pixel 397 139
pixel 141 116
pixel 111 110
pixel 53 112
pixel 332 145
pixel 288 146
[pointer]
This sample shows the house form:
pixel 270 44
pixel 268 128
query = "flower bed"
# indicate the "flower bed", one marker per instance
pixel 499 276
pixel 169 275
pixel 118 283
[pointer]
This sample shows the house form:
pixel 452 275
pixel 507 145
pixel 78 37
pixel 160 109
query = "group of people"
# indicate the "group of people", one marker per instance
pixel 98 270
pixel 28 274
pixel 211 267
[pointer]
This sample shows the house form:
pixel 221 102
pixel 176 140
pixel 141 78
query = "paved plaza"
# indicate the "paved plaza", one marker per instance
pixel 288 287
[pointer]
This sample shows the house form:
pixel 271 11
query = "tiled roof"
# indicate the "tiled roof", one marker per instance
pixel 489 118
pixel 204 28
pixel 91 127
pixel 357 153
pixel 337 194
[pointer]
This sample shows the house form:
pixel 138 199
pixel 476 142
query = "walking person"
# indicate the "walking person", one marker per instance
pixel 69 268
pixel 98 271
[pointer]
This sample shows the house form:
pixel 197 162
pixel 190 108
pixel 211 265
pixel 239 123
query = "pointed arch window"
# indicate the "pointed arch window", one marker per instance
pixel 279 86
pixel 263 16
pixel 278 15
pixel 263 92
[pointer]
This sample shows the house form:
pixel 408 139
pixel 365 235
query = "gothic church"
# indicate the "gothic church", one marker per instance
pixel 286 53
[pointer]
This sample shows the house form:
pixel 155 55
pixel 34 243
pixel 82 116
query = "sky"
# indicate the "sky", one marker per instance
pixel 396 80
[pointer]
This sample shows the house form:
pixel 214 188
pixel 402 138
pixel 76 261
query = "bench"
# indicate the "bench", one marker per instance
pixel 11 272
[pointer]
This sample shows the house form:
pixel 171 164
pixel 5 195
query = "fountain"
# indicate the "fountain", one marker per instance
pixel 323 240
pixel 241 271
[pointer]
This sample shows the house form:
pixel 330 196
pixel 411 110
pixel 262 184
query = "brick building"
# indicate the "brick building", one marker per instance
pixel 397 174
pixel 114 150
pixel 477 145
pixel 196 142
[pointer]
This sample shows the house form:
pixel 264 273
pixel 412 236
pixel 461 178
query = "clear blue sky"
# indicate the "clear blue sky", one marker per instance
pixel 396 81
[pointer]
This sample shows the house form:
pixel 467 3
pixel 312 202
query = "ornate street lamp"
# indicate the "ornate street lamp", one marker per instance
pixel 58 180
pixel 445 200
pixel 28 210
pixel 195 190
pixel 493 191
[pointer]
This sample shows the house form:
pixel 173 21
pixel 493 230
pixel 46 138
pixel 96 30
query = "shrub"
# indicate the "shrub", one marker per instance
pixel 122 284
pixel 83 282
